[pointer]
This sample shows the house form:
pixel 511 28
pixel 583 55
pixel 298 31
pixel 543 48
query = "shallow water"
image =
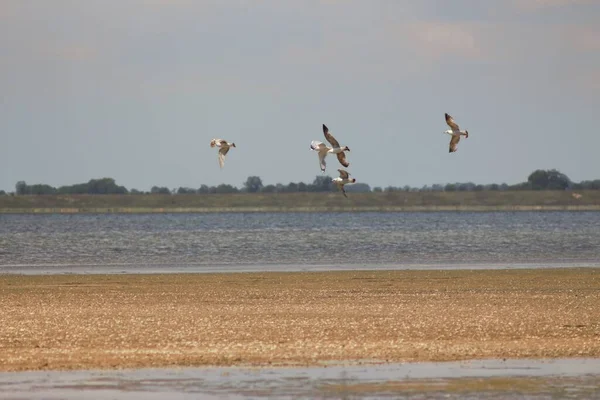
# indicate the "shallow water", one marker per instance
pixel 296 241
pixel 531 379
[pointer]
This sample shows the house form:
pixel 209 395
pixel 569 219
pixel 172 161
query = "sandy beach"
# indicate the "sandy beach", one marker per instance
pixel 119 321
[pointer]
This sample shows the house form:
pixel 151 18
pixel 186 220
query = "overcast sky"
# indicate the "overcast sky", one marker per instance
pixel 136 89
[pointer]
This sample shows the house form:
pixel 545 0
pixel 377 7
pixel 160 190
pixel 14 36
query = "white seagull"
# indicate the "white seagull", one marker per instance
pixel 343 180
pixel 322 149
pixel 224 147
pixel 455 132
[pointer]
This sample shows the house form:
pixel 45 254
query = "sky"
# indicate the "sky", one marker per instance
pixel 136 89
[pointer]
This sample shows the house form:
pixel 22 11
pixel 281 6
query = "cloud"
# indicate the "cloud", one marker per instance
pixel 585 38
pixel 73 52
pixel 436 40
pixel 6 10
pixel 535 5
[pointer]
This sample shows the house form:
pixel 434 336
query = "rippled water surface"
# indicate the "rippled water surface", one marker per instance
pixel 197 242
pixel 490 379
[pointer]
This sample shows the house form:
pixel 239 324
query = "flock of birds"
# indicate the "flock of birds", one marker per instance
pixel 340 151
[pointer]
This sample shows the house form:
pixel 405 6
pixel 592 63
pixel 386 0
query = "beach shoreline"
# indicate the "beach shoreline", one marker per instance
pixel 311 209
pixel 68 322
pixel 397 201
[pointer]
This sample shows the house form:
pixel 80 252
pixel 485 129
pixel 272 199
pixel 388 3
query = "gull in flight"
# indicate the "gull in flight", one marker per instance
pixel 224 147
pixel 455 132
pixel 343 179
pixel 322 149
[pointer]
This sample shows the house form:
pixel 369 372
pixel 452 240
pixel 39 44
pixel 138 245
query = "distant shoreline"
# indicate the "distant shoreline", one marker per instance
pixel 208 210
pixel 302 202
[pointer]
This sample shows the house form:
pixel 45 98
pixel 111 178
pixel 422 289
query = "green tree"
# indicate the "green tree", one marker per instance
pixel 548 180
pixel 321 184
pixel 104 186
pixel 358 188
pixel 186 190
pixel 21 188
pixel 160 190
pixel 269 189
pixel 41 189
pixel 292 187
pixel 78 188
pixel 204 189
pixel 589 185
pixel 253 184
pixel 223 188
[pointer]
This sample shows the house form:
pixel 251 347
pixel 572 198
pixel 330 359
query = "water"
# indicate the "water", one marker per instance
pixel 45 244
pixel 530 379
pixel 292 241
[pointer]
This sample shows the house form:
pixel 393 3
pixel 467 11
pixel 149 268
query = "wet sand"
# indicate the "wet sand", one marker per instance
pixel 295 318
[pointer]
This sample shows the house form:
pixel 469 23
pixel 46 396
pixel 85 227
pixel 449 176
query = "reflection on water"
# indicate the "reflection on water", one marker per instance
pixel 283 239
pixel 530 379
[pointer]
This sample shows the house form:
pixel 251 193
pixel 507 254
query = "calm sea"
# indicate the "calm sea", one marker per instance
pixel 296 241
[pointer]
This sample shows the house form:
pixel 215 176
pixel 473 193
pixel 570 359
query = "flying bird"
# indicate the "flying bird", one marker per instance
pixel 322 149
pixel 343 179
pixel 224 147
pixel 455 132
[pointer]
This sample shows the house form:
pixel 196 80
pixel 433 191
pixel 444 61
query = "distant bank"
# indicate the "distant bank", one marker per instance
pixel 305 202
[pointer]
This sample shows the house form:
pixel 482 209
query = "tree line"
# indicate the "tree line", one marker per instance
pixel 537 180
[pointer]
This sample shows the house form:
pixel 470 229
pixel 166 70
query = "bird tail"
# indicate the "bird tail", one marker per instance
pixel 466 134
pixel 232 144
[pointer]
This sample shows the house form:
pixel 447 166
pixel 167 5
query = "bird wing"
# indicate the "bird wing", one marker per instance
pixel 222 153
pixel 330 137
pixel 454 142
pixel 342 159
pixel 217 142
pixel 340 185
pixel 224 149
pixel 451 123
pixel 317 146
pixel 322 162
pixel 343 173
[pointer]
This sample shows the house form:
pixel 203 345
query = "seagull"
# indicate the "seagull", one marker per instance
pixel 343 180
pixel 322 149
pixel 455 132
pixel 224 147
